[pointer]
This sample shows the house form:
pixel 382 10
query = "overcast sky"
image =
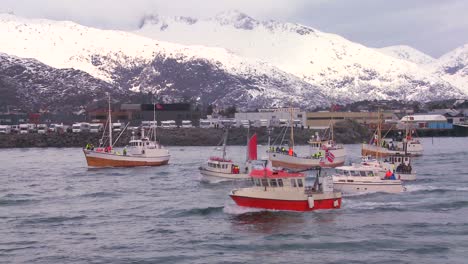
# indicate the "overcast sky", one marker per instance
pixel 432 26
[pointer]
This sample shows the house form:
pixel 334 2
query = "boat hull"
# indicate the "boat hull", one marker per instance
pixel 286 205
pixel 362 187
pixel 375 151
pixel 286 161
pixel 102 159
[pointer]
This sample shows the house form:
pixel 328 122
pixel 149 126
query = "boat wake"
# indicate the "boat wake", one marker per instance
pixel 233 209
pixel 199 211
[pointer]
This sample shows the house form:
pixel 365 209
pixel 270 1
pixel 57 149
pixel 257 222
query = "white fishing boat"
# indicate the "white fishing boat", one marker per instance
pixel 384 147
pixel 335 154
pixel 278 189
pixel 224 168
pixel 325 154
pixel 366 177
pixel 142 151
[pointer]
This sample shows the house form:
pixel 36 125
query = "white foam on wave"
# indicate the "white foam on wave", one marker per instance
pixel 237 210
pixel 373 205
pixel 417 187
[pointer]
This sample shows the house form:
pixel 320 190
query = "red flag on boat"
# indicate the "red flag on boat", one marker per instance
pixel 253 147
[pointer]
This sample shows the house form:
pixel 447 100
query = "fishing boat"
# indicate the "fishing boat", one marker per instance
pixel 326 154
pixel 143 151
pixel 280 189
pixel 222 167
pixel 382 147
pixel 364 177
pixel 335 154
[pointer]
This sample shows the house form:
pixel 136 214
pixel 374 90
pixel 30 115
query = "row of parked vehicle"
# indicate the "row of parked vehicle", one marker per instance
pixel 118 126
pixel 33 128
pixel 212 123
pixel 84 127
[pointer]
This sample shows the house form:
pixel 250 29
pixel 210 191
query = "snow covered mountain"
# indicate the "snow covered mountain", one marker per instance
pixel 407 53
pixel 453 67
pixel 132 62
pixel 343 69
pixel 233 60
pixel 32 85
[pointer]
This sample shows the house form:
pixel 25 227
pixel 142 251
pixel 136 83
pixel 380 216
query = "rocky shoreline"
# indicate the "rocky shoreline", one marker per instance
pixel 345 132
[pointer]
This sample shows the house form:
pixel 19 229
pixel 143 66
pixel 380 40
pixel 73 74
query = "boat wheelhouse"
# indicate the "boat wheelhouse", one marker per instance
pixel 401 165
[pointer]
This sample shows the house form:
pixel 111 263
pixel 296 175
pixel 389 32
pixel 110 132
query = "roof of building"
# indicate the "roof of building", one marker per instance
pixel 424 118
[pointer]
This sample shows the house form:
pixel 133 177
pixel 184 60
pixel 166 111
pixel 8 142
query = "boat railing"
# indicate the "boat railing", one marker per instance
pixel 219 159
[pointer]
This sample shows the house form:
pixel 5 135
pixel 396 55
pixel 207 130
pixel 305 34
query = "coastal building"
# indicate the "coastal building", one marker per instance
pixel 426 122
pixel 274 117
pixel 322 119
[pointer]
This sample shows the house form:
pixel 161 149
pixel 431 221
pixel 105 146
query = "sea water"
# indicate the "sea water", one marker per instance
pixel 53 209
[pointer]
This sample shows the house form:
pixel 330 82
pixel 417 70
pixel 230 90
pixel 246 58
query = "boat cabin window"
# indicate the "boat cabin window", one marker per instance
pixel 370 173
pixel 355 173
pixel 273 183
pixel 257 182
pixel 299 183
pixel 265 182
pixel 339 172
pixel 363 173
pixel 293 183
pixel 280 182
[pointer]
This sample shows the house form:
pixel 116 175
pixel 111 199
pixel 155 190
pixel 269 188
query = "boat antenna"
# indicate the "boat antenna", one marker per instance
pixel 331 126
pixel 110 120
pixel 224 143
pixel 154 121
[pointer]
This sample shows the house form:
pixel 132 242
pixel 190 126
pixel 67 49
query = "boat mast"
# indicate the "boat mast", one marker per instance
pixel 154 121
pixel 405 140
pixel 291 141
pixel 247 150
pixel 110 121
pixel 379 132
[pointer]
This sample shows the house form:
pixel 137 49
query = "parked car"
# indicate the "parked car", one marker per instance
pixel 80 127
pixel 5 129
pixel 23 129
pixel 186 124
pixel 96 128
pixel 208 123
pixel 42 128
pixel 56 128
pixel 117 127
pixel 168 124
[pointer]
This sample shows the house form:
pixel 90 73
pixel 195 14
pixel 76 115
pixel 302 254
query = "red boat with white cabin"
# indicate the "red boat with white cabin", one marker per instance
pixel 285 190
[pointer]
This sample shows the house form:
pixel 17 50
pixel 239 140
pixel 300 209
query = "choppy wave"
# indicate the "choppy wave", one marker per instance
pixel 52 219
pixel 197 211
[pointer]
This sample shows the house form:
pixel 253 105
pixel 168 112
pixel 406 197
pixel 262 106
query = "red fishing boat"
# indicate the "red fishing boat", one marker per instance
pixel 285 190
